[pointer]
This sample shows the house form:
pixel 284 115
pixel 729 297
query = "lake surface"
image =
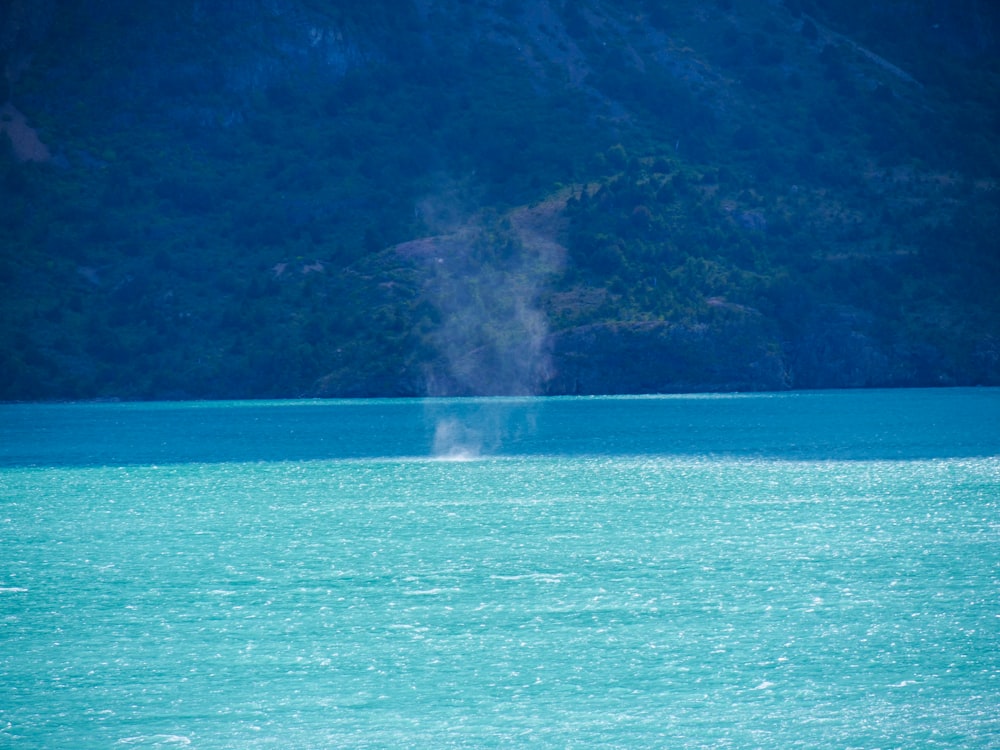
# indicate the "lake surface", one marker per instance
pixel 805 570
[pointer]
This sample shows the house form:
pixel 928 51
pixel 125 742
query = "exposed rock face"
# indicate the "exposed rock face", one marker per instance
pixel 24 140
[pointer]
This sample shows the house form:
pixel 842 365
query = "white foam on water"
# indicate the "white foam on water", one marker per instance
pixel 155 740
pixel 458 456
pixel 455 441
pixel 542 577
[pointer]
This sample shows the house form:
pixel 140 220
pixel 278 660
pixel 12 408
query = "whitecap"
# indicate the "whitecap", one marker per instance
pixel 765 685
pixel 543 577
pixel 457 456
pixel 156 739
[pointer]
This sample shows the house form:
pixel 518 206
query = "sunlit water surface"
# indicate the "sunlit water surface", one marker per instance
pixel 795 570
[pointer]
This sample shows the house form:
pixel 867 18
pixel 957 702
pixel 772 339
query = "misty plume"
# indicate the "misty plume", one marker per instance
pixel 456 440
pixel 485 277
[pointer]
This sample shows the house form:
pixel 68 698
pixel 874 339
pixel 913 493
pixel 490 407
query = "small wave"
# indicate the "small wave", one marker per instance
pixel 457 456
pixel 765 685
pixel 542 577
pixel 155 740
pixel 12 590
pixel 430 592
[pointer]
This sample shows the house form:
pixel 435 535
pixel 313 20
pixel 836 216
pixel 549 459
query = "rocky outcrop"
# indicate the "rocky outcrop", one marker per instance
pixel 24 140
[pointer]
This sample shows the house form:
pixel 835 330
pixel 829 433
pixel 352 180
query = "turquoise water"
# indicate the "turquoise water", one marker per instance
pixel 775 570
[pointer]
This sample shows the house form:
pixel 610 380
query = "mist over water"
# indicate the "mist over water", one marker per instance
pixel 473 428
pixel 486 276
pixel 491 338
pixel 455 440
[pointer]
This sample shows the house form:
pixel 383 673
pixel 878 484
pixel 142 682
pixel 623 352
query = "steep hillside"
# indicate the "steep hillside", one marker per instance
pixel 299 197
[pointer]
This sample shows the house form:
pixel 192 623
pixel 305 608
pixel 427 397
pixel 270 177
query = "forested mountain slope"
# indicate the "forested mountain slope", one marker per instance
pixel 274 198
